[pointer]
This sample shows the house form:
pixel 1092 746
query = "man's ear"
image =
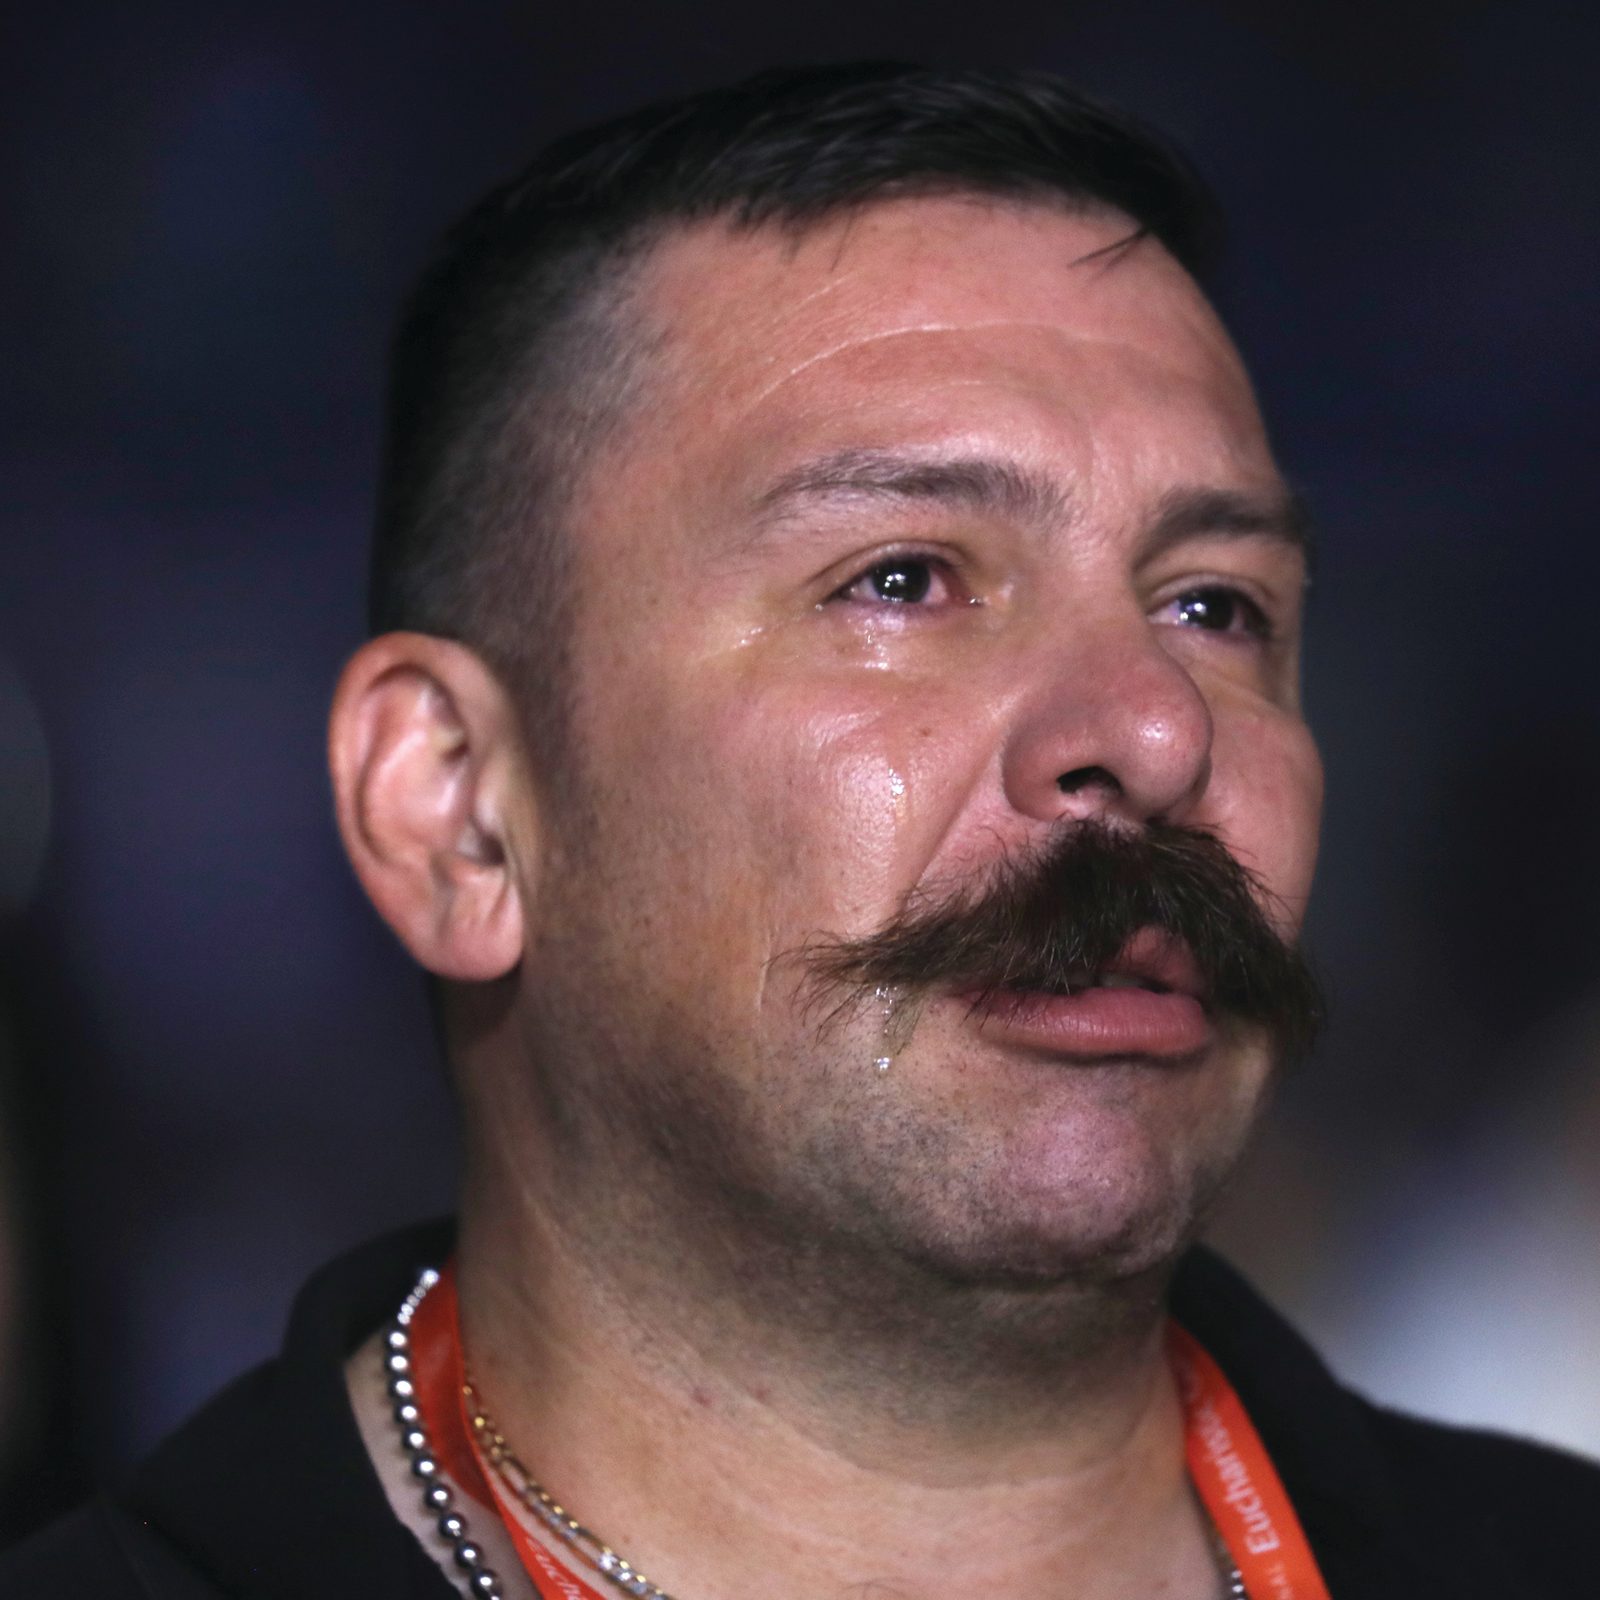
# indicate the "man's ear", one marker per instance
pixel 434 807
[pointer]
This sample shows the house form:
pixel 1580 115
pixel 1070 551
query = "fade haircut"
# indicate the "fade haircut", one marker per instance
pixel 516 352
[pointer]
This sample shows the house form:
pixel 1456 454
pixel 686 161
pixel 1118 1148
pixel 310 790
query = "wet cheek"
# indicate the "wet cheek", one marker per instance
pixel 800 800
pixel 843 806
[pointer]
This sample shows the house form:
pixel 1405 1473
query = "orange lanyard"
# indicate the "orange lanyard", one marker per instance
pixel 440 1376
pixel 1236 1481
pixel 1231 1469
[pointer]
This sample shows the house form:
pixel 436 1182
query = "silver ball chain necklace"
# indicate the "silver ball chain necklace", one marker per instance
pixel 438 1499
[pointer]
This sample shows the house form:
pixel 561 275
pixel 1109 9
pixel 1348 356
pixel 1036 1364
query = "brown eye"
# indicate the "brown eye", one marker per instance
pixel 900 580
pixel 1219 610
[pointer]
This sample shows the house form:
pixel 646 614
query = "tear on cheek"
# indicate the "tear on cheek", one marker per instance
pixel 900 1010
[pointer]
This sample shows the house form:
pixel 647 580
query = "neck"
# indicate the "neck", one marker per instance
pixel 813 1448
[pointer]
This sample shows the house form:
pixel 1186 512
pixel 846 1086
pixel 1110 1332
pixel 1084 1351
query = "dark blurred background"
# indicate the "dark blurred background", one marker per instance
pixel 215 1068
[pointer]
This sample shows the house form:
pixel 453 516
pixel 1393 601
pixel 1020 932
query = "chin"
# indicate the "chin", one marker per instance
pixel 996 1166
pixel 1121 1213
pixel 1099 1247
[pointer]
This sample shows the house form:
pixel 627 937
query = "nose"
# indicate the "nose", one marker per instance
pixel 1116 730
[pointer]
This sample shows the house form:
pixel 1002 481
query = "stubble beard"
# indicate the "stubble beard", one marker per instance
pixel 846 1232
pixel 794 1199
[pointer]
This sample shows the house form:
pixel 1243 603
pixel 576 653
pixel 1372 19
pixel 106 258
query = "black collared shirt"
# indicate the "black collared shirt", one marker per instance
pixel 269 1494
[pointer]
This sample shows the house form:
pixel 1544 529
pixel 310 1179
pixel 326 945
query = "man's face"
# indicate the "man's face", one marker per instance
pixel 933 534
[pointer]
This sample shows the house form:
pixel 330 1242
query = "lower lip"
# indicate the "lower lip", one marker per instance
pixel 1096 1022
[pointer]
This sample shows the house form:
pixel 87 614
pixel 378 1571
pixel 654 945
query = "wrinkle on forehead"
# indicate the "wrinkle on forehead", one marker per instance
pixel 863 342
pixel 933 320
pixel 917 261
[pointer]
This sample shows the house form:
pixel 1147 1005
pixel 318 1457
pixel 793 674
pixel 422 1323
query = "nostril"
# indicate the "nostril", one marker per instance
pixel 1081 778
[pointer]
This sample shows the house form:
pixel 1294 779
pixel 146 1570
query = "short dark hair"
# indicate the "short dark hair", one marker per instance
pixel 512 356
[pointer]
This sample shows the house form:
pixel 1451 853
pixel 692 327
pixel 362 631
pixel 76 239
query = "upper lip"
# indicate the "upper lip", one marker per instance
pixel 1153 960
pixel 1157 958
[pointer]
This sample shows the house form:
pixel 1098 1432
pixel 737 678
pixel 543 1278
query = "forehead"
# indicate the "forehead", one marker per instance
pixel 1023 328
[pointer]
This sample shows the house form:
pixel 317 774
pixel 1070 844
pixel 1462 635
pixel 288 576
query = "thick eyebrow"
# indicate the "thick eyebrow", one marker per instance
pixel 982 485
pixel 994 487
pixel 1232 513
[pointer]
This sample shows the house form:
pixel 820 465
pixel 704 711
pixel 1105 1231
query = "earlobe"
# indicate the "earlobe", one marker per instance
pixel 427 767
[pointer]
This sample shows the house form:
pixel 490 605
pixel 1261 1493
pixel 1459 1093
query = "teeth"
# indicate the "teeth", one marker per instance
pixel 1119 980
